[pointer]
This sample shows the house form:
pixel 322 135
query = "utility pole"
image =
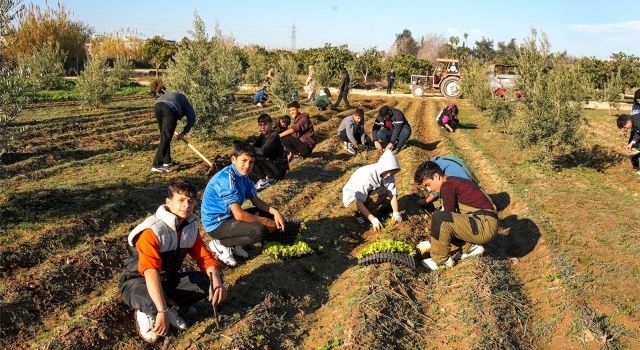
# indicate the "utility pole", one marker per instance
pixel 293 37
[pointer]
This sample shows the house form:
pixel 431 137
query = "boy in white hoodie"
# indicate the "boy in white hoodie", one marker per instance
pixel 369 181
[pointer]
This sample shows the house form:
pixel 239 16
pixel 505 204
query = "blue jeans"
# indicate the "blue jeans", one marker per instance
pixel 384 135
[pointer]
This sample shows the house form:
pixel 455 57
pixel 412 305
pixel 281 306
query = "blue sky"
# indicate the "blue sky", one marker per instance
pixel 582 28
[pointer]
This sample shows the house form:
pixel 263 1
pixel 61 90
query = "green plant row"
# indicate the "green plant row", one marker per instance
pixel 282 251
pixel 386 246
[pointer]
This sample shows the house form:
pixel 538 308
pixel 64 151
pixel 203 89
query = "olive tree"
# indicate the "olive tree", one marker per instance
pixel 285 82
pixel 475 85
pixel 93 85
pixel 208 71
pixel 14 89
pixel 45 66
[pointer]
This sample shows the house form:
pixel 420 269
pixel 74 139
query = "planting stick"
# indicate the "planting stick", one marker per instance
pixel 197 152
pixel 213 303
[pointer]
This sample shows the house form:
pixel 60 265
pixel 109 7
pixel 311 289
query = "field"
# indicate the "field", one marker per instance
pixel 563 273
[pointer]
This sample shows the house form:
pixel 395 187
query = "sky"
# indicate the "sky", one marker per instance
pixel 582 28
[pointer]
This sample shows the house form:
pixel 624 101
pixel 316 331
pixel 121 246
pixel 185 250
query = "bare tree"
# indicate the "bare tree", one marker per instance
pixel 431 47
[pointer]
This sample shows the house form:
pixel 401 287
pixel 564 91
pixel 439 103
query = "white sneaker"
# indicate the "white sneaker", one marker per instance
pixel 145 325
pixel 175 319
pixel 239 251
pixel 424 247
pixel 350 149
pixel 474 251
pixel 162 169
pixel 431 265
pixel 223 253
pixel 262 184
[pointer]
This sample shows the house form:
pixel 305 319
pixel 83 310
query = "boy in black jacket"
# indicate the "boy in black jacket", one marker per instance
pixel 391 127
pixel 633 147
pixel 271 158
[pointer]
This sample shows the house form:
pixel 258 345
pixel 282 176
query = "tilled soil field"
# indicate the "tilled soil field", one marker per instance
pixel 561 274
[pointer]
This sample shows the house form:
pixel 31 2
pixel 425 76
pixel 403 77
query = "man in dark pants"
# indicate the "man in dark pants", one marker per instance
pixel 344 89
pixel 391 79
pixel 223 218
pixel 271 158
pixel 299 139
pixel 391 127
pixel 169 108
pixel 152 278
pixel 633 147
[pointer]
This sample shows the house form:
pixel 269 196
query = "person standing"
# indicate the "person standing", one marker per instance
pixel 168 109
pixel 344 89
pixel 310 85
pixel 391 79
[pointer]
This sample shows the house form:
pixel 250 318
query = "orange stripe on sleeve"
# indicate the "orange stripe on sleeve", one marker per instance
pixel 148 248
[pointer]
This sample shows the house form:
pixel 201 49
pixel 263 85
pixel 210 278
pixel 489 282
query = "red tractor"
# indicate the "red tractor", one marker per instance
pixel 445 77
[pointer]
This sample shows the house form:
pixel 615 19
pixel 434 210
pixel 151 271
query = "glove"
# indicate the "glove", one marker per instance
pixel 376 224
pixel 396 217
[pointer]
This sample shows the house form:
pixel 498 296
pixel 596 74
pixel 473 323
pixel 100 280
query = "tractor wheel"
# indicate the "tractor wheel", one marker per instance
pixel 418 91
pixel 451 87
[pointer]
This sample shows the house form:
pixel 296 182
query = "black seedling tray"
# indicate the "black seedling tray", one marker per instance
pixel 394 258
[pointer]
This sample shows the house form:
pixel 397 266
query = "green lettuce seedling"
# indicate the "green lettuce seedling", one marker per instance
pixel 386 246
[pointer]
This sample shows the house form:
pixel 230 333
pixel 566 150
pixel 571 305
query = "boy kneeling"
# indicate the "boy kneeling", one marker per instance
pixel 152 279
pixel 468 218
pixel 223 217
pixel 373 188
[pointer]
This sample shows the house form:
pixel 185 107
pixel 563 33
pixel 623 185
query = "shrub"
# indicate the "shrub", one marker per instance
pixel 121 72
pixel 258 60
pixel 501 110
pixel 612 91
pixel 208 71
pixel 552 115
pixel 475 84
pixel 45 66
pixel 93 83
pixel 284 84
pixel 14 88
pixel 387 246
pixel 323 74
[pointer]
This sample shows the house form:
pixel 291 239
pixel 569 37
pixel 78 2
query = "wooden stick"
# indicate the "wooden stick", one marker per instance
pixel 196 151
pixel 213 303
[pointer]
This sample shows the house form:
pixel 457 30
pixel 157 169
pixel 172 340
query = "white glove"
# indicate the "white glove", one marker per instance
pixel 396 217
pixel 376 224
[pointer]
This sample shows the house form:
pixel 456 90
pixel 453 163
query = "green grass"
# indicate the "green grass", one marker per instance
pixel 69 92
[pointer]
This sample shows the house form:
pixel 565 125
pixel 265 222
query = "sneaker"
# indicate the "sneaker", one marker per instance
pixel 474 251
pixel 173 162
pixel 262 184
pixel 239 251
pixel 636 171
pixel 162 169
pixel 424 247
pixel 350 149
pixel 431 265
pixel 145 323
pixel 223 253
pixel 175 319
pixel 296 158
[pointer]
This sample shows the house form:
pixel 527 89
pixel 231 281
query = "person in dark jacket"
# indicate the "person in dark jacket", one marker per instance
pixel 168 109
pixel 633 147
pixel 271 158
pixel 343 89
pixel 448 118
pixel 391 79
pixel 299 139
pixel 153 280
pixel 635 109
pixel 391 127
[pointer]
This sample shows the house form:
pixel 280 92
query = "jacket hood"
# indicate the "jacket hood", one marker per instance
pixel 387 162
pixel 636 96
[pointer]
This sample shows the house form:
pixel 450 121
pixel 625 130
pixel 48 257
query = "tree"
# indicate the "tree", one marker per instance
pixel 405 65
pixel 483 50
pixel 431 47
pixel 323 74
pixel 596 70
pixel 9 10
pixel 369 62
pixel 333 57
pixel 629 68
pixel 49 26
pixel 405 44
pixel 552 115
pixel 209 72
pixel 259 62
pixel 285 83
pixel 93 83
pixel 476 84
pixel 14 88
pixel 612 91
pixel 158 52
pixel 45 67
pixel 121 72
pixel 506 53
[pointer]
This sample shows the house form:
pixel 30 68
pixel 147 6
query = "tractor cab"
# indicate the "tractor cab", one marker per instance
pixel 445 77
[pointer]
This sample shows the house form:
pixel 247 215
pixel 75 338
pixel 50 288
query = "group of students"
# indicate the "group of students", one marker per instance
pixel 153 281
